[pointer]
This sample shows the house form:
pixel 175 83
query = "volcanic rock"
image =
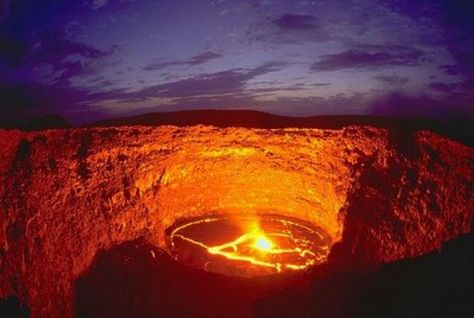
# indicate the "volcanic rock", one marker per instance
pixel 67 194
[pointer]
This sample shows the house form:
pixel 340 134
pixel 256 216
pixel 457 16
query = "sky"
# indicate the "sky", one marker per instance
pixel 92 59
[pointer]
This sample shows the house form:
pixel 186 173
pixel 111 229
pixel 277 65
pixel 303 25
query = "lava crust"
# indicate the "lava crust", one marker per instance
pixel 66 194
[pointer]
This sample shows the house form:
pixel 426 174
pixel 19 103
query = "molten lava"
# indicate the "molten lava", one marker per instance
pixel 233 247
pixel 263 243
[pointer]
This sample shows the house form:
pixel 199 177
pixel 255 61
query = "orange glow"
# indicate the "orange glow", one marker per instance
pixel 278 250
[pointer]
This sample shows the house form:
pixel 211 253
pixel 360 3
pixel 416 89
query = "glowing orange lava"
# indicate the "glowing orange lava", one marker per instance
pixel 282 245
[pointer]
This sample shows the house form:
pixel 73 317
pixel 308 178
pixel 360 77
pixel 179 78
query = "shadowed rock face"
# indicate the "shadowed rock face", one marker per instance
pixel 66 194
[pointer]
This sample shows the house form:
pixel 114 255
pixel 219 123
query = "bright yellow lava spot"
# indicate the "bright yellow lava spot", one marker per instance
pixel 240 249
pixel 263 243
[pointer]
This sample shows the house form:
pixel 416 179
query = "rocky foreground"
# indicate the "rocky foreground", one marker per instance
pixel 68 193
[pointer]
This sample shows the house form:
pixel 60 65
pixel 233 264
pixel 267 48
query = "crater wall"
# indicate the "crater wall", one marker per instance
pixel 65 194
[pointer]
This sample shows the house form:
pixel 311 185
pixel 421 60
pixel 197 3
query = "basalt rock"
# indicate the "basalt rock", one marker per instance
pixel 66 194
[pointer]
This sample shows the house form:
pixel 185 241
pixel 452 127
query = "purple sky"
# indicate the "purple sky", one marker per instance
pixel 90 59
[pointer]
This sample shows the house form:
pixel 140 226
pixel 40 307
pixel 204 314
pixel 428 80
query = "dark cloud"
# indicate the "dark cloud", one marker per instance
pixel 68 58
pixel 97 4
pixel 452 24
pixel 419 106
pixel 161 65
pixel 52 46
pixel 370 57
pixel 202 58
pixel 11 51
pixel 450 69
pixel 310 106
pixel 39 46
pixel 16 98
pixel 457 13
pixel 216 83
pixel 231 81
pixel 393 80
pixel 64 57
pixel 195 60
pixel 444 87
pixel 464 60
pixel 19 99
pixel 293 87
pixel 295 21
pixel 464 68
pixel 288 28
pixel 4 10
